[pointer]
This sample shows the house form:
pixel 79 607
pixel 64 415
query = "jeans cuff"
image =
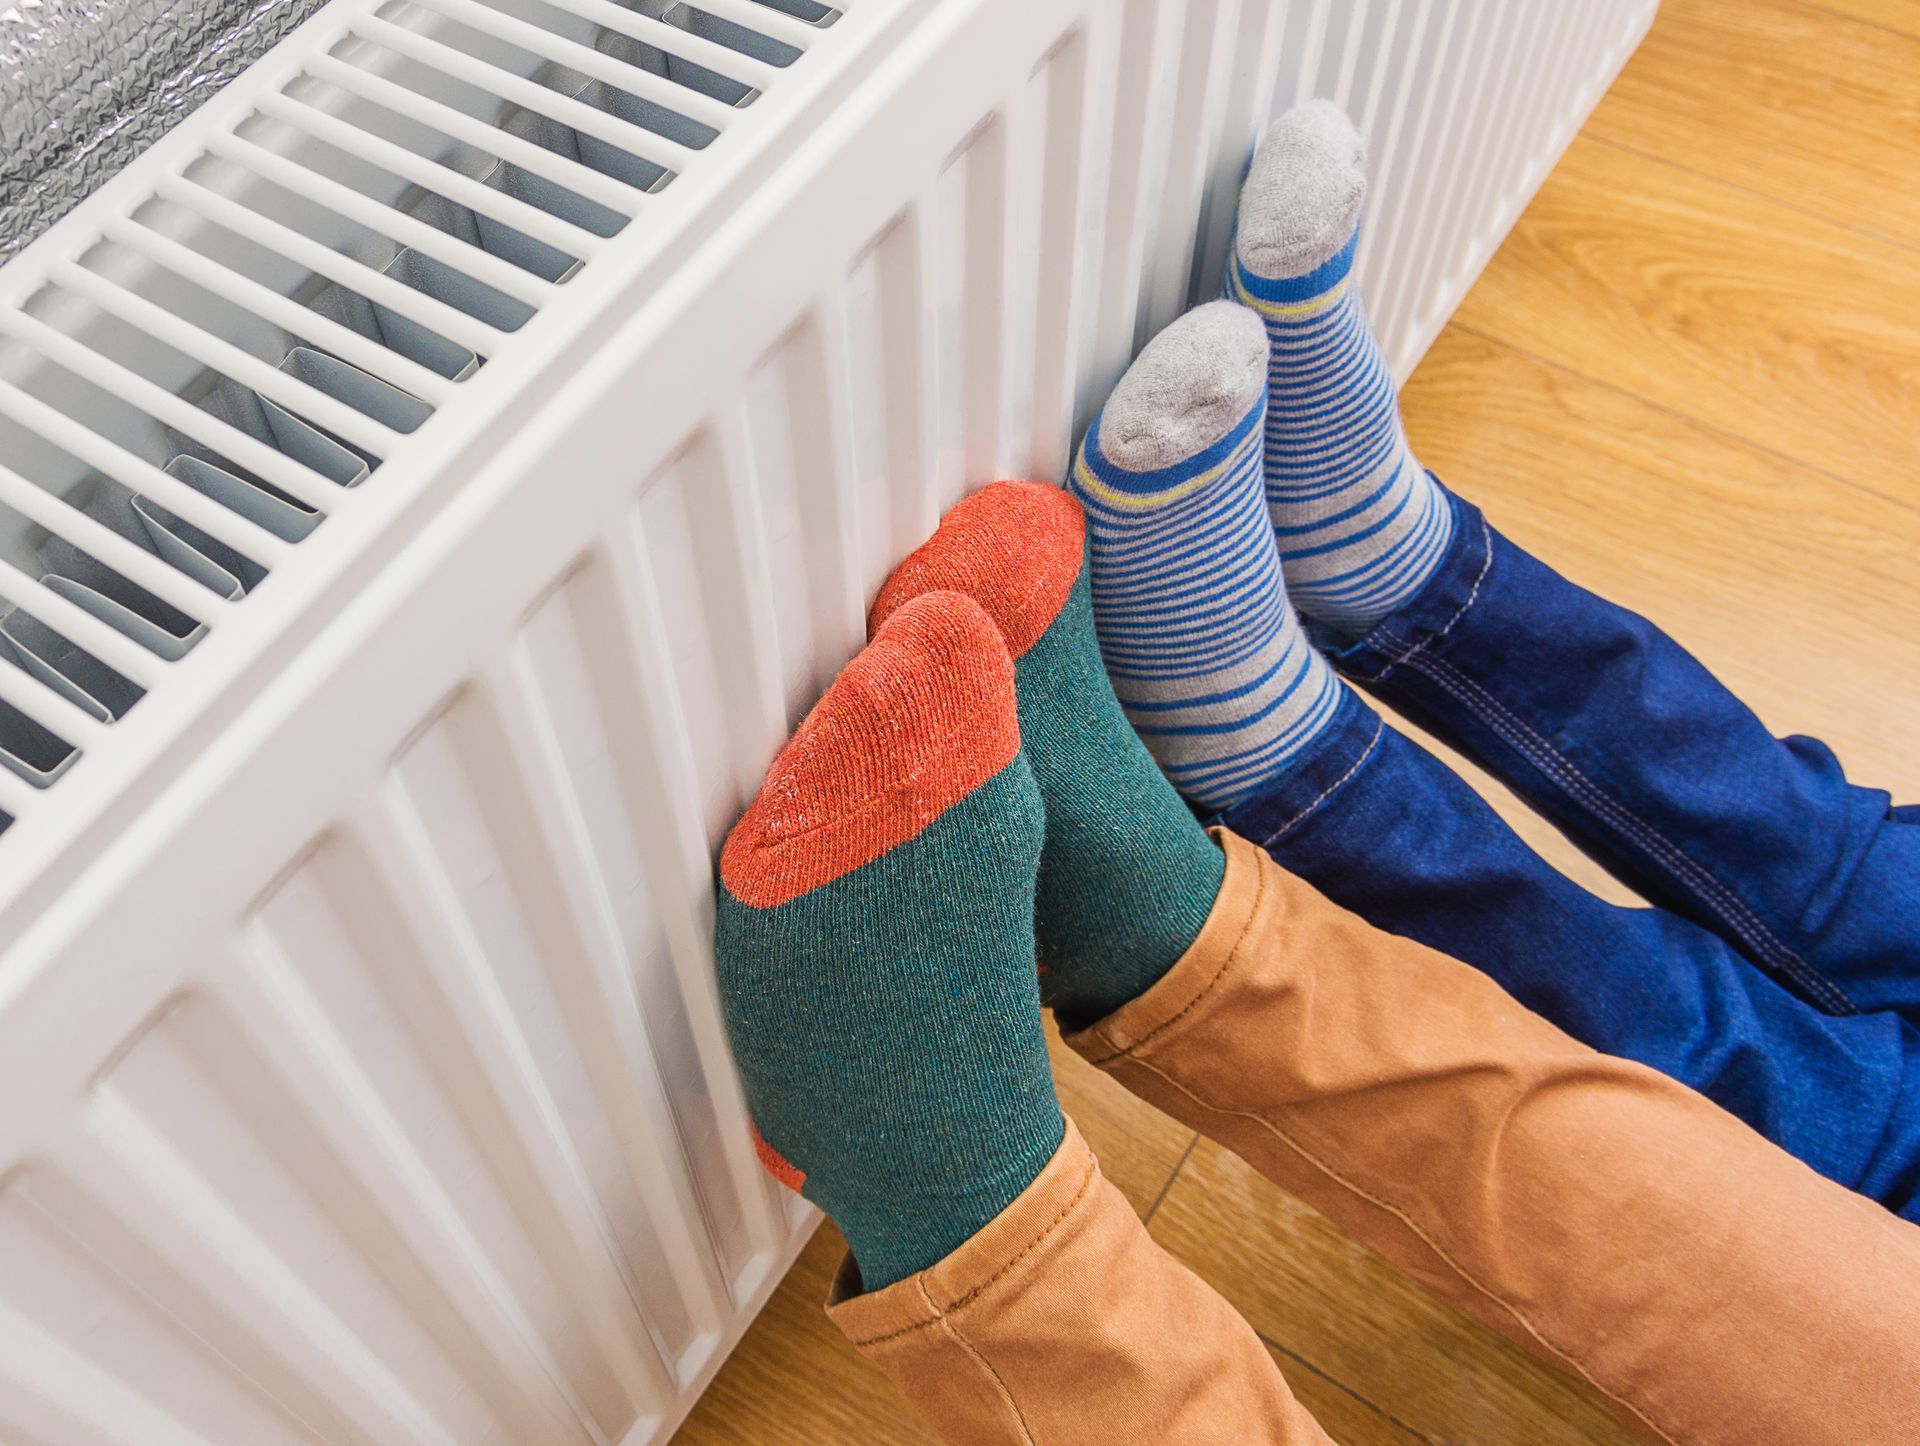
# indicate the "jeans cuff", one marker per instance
pixel 1352 735
pixel 1436 609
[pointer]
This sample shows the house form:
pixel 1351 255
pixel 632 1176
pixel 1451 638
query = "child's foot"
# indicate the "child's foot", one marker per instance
pixel 875 946
pixel 1207 657
pixel 1361 525
pixel 1127 877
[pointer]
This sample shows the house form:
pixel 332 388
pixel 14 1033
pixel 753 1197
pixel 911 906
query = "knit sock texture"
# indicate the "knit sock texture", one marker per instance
pixel 1361 525
pixel 875 949
pixel 1204 651
pixel 1127 875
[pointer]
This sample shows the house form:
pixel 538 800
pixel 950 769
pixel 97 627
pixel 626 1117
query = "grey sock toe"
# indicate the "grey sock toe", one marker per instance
pixel 1188 387
pixel 1302 198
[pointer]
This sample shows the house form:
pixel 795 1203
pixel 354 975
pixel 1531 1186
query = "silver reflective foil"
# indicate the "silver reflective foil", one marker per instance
pixel 86 85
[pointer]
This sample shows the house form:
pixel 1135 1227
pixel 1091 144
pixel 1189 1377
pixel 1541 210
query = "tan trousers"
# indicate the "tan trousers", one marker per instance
pixel 1612 1222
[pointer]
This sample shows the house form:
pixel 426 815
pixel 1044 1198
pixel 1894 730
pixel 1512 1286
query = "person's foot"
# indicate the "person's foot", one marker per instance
pixel 875 946
pixel 1204 651
pixel 1361 525
pixel 1127 876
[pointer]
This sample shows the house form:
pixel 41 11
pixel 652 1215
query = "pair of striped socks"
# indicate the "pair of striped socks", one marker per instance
pixel 1252 460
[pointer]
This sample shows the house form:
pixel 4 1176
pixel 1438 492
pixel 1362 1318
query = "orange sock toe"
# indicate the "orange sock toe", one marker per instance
pixel 922 717
pixel 1014 547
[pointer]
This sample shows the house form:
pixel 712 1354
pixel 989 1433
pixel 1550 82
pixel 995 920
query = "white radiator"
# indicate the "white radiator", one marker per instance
pixel 432 482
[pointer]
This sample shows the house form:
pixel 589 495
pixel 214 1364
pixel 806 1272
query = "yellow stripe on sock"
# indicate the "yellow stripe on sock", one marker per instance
pixel 1292 310
pixel 1141 501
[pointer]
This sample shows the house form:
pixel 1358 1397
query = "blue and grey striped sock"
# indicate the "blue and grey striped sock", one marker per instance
pixel 1361 525
pixel 1204 651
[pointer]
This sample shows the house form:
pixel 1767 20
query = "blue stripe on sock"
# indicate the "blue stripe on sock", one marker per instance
pixel 1302 288
pixel 1202 647
pixel 1161 478
pixel 1360 525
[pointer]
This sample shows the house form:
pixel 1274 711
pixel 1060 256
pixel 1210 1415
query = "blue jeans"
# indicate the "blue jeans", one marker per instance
pixel 1778 973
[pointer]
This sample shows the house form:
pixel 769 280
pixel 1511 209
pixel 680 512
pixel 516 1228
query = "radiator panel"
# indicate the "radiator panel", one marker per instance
pixel 366 1076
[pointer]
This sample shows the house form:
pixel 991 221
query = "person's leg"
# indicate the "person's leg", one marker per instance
pixel 1595 1212
pixel 1609 728
pixel 1183 569
pixel 1604 1217
pixel 1062 1323
pixel 1592 714
pixel 1384 828
pixel 874 943
pixel 884 873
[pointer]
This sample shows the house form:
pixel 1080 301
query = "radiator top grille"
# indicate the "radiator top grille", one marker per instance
pixel 191 390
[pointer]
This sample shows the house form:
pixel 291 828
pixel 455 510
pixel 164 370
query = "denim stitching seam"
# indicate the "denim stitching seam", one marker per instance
pixel 1684 870
pixel 1733 910
pixel 1308 810
pixel 1387 638
pixel 1399 651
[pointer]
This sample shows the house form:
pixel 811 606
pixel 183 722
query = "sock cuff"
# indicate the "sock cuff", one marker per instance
pixel 921 718
pixel 1105 483
pixel 1015 548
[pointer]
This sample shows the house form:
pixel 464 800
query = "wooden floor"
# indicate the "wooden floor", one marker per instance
pixel 1690 380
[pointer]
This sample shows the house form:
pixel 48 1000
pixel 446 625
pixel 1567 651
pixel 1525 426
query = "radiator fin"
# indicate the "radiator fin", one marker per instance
pixel 371 1076
pixel 206 372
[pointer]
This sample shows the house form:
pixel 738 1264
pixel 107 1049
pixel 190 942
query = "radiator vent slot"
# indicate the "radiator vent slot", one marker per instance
pixel 193 384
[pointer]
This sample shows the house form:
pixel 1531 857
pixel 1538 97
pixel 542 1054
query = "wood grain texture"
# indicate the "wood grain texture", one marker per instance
pixel 1347 1417
pixel 1691 382
pixel 1900 16
pixel 1798 589
pixel 795 1379
pixel 1743 313
pixel 1768 96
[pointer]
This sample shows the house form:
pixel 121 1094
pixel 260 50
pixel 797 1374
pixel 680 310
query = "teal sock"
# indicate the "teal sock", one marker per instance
pixel 1128 876
pixel 1361 525
pixel 875 947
